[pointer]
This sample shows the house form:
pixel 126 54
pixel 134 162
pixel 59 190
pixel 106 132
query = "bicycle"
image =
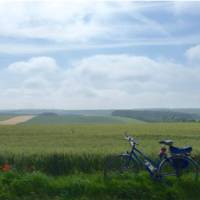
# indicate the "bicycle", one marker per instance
pixel 173 162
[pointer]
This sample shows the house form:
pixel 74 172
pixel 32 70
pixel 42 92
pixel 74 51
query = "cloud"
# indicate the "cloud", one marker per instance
pixel 104 81
pixel 34 65
pixel 45 26
pixel 193 53
pixel 26 48
pixel 57 21
pixel 38 49
pixel 133 74
pixel 68 25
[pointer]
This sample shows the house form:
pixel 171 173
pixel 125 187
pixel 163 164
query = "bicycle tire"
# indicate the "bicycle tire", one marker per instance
pixel 178 166
pixel 119 164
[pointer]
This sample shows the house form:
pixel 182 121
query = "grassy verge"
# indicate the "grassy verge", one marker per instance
pixel 36 185
pixel 60 164
pixel 55 164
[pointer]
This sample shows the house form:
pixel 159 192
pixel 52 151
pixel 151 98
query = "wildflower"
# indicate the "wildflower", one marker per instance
pixel 6 167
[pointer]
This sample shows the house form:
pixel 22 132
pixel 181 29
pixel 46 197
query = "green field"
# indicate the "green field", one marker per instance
pixel 96 138
pixel 5 117
pixel 79 119
pixel 84 147
pixel 66 161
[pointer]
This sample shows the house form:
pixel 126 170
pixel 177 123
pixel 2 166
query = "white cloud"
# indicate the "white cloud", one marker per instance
pixel 99 81
pixel 34 65
pixel 68 24
pixel 36 49
pixel 47 26
pixel 59 21
pixel 105 81
pixel 193 53
pixel 133 74
pixel 36 83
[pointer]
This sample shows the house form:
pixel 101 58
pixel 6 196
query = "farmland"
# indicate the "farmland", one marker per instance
pixel 79 119
pixel 94 139
pixel 44 155
pixel 16 120
pixel 5 117
pixel 83 147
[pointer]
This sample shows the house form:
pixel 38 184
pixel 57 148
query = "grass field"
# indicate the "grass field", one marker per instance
pixel 64 149
pixel 5 117
pixel 80 119
pixel 96 138
pixel 66 161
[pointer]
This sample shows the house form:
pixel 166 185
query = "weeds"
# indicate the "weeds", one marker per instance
pixel 83 186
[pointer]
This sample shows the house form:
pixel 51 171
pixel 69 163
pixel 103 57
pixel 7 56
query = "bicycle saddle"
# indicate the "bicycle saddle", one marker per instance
pixel 166 142
pixel 177 150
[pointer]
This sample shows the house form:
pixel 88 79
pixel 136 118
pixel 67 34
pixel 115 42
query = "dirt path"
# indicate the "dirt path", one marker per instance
pixel 17 120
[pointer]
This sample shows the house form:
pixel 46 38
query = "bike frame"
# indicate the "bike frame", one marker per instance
pixel 135 155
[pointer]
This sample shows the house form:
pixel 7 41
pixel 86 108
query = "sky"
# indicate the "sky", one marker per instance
pixel 99 54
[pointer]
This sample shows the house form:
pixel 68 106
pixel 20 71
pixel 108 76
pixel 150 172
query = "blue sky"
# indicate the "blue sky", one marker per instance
pixel 99 54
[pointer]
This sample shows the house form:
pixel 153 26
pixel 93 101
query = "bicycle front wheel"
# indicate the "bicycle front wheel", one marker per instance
pixel 180 167
pixel 119 164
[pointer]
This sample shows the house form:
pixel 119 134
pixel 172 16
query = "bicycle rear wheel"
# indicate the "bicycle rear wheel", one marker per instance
pixel 178 166
pixel 119 164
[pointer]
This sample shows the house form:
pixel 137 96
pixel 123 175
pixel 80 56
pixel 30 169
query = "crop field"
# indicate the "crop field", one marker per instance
pixel 16 120
pixel 5 117
pixel 95 138
pixel 43 156
pixel 85 146
pixel 80 119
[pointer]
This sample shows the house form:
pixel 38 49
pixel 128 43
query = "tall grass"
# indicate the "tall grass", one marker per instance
pixel 60 164
pixel 65 149
pixel 55 164
pixel 36 185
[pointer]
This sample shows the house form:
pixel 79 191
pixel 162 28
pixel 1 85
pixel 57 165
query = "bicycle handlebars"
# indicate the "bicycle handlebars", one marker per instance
pixel 130 139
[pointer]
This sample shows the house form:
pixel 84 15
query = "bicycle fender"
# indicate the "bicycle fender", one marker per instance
pixel 124 154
